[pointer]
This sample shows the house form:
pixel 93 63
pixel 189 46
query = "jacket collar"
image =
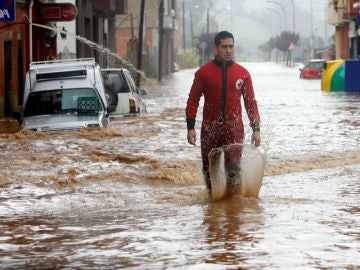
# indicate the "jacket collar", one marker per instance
pixel 220 64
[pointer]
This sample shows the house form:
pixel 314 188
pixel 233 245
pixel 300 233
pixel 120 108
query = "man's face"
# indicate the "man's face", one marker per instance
pixel 225 50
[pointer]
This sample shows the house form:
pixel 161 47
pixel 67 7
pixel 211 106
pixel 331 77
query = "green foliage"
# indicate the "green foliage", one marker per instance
pixel 281 42
pixel 187 59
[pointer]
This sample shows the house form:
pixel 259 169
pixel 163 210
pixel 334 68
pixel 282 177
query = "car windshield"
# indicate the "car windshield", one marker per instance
pixel 79 101
pixel 317 65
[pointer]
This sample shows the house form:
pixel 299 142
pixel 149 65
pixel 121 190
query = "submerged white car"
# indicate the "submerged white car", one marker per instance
pixel 122 94
pixel 64 95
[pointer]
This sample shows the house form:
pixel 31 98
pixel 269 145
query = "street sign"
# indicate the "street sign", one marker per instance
pixel 7 10
pixel 203 45
pixel 56 12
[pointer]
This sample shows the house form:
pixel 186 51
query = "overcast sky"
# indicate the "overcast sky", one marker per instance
pixel 317 7
pixel 257 20
pixel 252 21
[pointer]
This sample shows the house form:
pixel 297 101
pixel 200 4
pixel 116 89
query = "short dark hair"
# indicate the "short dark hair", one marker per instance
pixel 222 35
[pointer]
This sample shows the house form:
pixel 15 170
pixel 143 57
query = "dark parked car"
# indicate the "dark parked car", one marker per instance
pixel 313 70
pixel 122 93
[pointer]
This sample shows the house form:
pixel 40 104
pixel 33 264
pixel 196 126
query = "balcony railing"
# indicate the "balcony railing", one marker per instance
pixel 343 12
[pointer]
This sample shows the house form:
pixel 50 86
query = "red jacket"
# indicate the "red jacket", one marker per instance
pixel 210 80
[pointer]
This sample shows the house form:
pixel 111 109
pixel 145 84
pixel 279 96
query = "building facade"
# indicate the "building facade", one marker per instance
pixel 30 35
pixel 15 52
pixel 107 30
pixel 12 37
pixel 96 23
pixel 345 16
pixel 160 41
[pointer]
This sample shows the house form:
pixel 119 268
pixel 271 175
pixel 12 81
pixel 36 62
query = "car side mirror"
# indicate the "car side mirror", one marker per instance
pixel 111 109
pixel 143 92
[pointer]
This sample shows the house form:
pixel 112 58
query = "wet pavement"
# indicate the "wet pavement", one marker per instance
pixel 132 196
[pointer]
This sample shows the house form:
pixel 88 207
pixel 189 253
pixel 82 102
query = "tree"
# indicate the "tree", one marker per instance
pixel 208 39
pixel 283 42
pixel 268 47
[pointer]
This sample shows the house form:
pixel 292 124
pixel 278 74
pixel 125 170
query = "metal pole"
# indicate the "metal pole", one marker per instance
pixel 183 18
pixel 275 11
pixel 139 52
pixel 192 31
pixel 283 8
pixel 207 21
pixel 30 32
pixel 161 19
pixel 312 31
pixel 132 26
pixel 293 6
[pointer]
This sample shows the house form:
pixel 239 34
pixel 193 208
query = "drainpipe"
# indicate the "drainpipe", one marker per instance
pixel 30 32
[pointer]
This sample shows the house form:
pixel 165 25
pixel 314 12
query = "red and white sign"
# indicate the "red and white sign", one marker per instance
pixel 291 46
pixel 56 12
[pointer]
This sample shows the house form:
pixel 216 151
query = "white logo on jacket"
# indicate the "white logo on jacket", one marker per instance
pixel 239 83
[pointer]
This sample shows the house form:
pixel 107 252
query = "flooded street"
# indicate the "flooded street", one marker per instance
pixel 132 196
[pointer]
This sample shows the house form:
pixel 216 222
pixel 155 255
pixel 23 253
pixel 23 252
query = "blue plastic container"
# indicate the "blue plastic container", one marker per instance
pixel 352 75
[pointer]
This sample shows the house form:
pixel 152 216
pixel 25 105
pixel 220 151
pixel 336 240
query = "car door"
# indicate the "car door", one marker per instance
pixel 122 93
pixel 134 94
pixel 117 87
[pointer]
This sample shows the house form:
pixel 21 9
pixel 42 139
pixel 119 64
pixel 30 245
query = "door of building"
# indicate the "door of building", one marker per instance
pixel 8 91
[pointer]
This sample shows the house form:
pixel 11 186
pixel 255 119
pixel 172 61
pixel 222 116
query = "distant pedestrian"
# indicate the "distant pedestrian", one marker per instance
pixel 222 82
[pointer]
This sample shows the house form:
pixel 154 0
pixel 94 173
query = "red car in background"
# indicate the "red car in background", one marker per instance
pixel 313 70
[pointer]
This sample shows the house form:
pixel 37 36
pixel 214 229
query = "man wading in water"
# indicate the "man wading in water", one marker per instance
pixel 222 82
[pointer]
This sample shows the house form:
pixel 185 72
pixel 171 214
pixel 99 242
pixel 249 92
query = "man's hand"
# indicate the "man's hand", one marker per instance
pixel 255 138
pixel 191 136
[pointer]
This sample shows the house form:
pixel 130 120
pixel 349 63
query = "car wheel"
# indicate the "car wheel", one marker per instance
pixel 112 98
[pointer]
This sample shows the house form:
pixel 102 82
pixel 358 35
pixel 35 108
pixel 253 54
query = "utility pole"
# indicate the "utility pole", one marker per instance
pixel 161 25
pixel 207 21
pixel 192 31
pixel 293 18
pixel 183 23
pixel 311 20
pixel 139 52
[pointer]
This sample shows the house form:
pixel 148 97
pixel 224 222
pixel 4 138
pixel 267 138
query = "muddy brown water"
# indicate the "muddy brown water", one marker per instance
pixel 132 196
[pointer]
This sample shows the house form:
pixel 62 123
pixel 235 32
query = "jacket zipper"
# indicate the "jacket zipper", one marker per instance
pixel 223 96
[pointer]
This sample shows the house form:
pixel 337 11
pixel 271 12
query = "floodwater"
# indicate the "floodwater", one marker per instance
pixel 132 196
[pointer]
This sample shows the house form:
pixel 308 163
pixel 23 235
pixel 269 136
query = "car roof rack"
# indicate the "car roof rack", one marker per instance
pixel 71 73
pixel 62 63
pixel 61 69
